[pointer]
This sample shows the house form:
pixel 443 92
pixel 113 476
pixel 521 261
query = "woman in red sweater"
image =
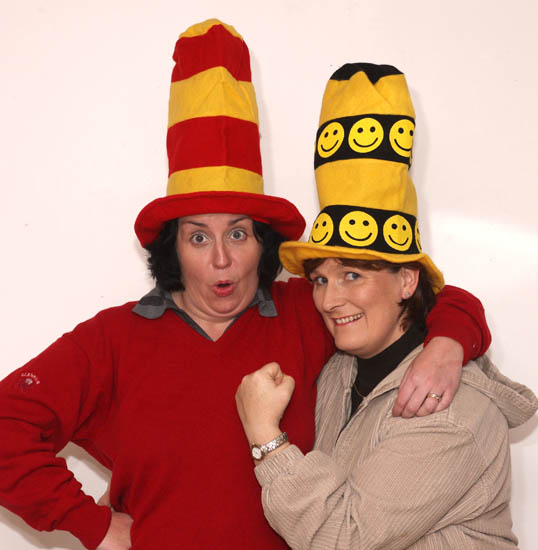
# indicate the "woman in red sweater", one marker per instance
pixel 147 387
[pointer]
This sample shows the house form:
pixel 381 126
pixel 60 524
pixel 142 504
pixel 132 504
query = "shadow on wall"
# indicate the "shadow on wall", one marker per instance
pixel 55 540
pixel 519 434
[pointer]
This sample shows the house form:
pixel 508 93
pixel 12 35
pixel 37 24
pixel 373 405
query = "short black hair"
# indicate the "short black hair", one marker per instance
pixel 415 309
pixel 165 267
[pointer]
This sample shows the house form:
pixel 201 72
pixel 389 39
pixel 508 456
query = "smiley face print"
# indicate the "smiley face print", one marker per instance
pixel 398 233
pixel 330 139
pixel 322 231
pixel 358 228
pixel 417 237
pixel 401 137
pixel 365 135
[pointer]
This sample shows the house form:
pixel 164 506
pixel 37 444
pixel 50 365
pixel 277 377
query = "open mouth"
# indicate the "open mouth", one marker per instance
pixel 223 288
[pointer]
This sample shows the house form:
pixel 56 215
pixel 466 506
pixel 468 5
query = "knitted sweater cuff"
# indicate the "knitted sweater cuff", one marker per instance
pixel 88 522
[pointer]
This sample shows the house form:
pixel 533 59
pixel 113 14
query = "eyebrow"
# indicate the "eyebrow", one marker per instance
pixel 231 222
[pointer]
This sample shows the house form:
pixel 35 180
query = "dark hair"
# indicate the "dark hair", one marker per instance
pixel 415 309
pixel 165 267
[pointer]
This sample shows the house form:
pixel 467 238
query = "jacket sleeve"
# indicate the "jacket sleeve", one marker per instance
pixel 316 505
pixel 460 315
pixel 55 398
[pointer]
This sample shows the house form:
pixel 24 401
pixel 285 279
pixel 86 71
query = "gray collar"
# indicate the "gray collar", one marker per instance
pixel 157 301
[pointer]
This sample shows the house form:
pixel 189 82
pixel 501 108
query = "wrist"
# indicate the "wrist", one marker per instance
pixel 261 434
pixel 259 451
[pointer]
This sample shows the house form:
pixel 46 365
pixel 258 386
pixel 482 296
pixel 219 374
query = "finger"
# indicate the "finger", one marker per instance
pixel 105 498
pixel 446 399
pixel 432 404
pixel 288 382
pixel 429 406
pixel 404 394
pixel 272 369
pixel 413 404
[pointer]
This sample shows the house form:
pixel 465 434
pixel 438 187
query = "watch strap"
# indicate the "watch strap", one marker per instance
pixel 260 451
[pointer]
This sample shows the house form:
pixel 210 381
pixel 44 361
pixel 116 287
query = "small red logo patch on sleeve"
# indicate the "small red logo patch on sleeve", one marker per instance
pixel 28 380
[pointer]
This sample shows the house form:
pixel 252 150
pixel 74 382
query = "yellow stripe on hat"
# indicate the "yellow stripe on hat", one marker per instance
pixel 214 92
pixel 387 186
pixel 202 28
pixel 214 178
pixel 389 95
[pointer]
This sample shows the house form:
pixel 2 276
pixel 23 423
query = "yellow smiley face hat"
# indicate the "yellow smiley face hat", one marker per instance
pixel 363 153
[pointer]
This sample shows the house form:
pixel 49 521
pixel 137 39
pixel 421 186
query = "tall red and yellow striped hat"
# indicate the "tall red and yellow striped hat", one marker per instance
pixel 213 140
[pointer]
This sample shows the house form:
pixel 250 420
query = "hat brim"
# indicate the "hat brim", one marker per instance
pixel 293 254
pixel 279 213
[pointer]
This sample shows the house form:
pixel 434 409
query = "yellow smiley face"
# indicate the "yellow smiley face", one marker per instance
pixel 330 139
pixel 398 233
pixel 358 228
pixel 322 231
pixel 417 237
pixel 401 137
pixel 365 135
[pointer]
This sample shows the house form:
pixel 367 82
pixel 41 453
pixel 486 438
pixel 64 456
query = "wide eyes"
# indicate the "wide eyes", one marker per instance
pixel 198 238
pixel 238 235
pixel 234 235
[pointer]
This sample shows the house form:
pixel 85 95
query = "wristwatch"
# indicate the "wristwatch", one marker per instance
pixel 260 451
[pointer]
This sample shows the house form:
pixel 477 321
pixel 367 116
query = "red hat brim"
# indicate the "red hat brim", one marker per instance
pixel 279 213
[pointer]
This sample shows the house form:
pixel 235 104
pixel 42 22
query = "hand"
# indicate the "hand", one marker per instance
pixel 437 369
pixel 118 536
pixel 262 398
pixel 105 498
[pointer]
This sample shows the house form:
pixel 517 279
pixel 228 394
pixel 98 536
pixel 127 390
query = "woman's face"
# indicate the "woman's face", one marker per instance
pixel 361 307
pixel 219 256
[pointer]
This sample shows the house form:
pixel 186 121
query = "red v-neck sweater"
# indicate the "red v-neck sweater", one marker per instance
pixel 153 401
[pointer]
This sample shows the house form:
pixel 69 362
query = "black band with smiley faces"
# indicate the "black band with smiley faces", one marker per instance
pixel 384 137
pixel 363 228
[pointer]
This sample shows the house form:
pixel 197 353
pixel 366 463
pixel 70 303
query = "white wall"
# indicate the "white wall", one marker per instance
pixel 83 110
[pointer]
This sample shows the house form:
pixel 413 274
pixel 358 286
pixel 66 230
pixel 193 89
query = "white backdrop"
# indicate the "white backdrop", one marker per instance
pixel 83 112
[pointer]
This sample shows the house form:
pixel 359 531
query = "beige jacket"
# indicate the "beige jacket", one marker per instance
pixel 436 482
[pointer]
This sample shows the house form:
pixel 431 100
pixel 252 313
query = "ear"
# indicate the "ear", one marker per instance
pixel 409 281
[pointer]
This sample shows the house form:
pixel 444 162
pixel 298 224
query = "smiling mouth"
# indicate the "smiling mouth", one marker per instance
pixel 349 319
pixel 396 242
pixel 369 145
pixel 355 239
pixel 319 240
pixel 327 150
pixel 401 146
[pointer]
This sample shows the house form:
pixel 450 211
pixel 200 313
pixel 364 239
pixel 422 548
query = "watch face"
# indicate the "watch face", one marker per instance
pixel 257 453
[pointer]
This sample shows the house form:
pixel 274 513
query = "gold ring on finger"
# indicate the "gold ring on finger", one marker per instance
pixel 434 396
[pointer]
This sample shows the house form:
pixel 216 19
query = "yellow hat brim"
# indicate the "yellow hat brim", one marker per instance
pixel 294 253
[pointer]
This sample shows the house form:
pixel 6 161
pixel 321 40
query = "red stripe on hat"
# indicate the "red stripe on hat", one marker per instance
pixel 216 48
pixel 214 141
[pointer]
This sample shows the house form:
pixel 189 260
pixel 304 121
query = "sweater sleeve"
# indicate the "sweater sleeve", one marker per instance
pixel 390 501
pixel 55 398
pixel 460 316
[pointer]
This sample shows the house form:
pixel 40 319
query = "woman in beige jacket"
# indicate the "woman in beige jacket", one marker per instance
pixel 374 480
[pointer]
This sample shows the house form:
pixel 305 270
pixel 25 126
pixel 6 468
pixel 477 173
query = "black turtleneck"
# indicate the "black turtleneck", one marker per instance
pixel 372 370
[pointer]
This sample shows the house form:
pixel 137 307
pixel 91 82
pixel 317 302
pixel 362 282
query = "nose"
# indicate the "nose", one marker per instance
pixel 221 255
pixel 332 297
